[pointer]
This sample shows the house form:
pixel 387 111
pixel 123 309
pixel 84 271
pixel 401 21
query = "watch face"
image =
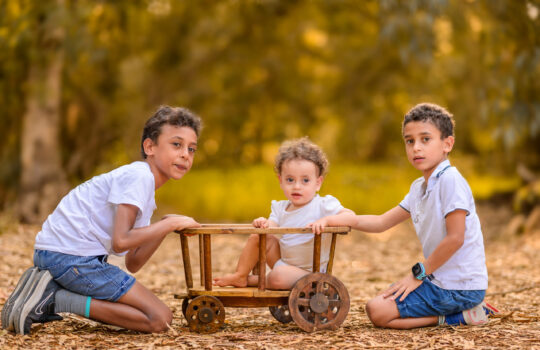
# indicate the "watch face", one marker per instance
pixel 416 270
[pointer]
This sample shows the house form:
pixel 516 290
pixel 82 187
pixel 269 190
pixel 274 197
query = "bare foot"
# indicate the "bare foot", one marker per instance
pixel 233 279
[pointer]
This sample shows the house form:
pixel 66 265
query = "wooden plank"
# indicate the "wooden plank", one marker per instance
pixel 267 293
pixel 262 262
pixel 201 260
pixel 207 262
pixel 317 253
pixel 332 250
pixel 186 260
pixel 181 295
pixel 249 292
pixel 248 229
pixel 253 302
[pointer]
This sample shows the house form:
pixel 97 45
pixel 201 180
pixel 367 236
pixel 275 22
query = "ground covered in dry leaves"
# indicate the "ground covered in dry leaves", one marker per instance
pixel 365 263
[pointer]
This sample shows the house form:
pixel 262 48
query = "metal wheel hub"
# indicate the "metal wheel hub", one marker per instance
pixel 206 315
pixel 319 303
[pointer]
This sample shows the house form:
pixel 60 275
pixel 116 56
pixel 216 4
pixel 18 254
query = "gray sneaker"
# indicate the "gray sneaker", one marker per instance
pixel 38 305
pixel 17 297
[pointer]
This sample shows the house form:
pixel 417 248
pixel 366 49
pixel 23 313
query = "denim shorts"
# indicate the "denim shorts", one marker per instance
pixel 430 300
pixel 86 275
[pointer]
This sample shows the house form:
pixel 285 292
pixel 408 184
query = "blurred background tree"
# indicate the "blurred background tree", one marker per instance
pixel 343 72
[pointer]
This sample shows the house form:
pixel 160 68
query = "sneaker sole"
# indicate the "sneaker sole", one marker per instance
pixel 32 298
pixel 32 281
pixel 16 298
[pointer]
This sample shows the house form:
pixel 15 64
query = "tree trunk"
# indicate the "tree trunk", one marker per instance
pixel 43 181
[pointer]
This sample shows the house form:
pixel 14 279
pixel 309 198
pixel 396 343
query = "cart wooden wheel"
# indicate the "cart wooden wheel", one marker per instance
pixel 205 314
pixel 185 304
pixel 281 313
pixel 319 301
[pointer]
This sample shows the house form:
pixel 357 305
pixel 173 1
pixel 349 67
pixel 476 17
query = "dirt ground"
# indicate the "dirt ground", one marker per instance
pixel 364 263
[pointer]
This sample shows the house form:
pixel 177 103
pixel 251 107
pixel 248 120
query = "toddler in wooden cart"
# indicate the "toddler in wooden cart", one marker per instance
pixel 301 166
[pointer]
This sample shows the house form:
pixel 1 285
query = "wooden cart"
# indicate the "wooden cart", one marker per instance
pixel 316 301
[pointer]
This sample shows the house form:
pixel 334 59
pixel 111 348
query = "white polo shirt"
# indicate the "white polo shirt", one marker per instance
pixel 447 190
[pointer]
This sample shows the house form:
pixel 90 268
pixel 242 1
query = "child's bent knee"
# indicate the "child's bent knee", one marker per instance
pixel 161 322
pixel 373 311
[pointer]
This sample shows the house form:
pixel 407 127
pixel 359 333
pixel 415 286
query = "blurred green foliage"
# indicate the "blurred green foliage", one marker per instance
pixel 343 72
pixel 243 194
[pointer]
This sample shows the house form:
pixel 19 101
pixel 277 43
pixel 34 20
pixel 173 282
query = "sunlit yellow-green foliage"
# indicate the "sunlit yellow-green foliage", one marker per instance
pixel 244 193
pixel 259 72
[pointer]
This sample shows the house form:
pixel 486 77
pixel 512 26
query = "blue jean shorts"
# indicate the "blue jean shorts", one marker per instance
pixel 430 300
pixel 86 275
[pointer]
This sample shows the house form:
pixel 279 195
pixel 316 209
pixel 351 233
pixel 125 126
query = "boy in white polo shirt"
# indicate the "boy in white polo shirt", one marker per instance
pixel 453 278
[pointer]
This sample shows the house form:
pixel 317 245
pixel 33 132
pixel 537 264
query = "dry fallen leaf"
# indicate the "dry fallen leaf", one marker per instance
pixel 365 264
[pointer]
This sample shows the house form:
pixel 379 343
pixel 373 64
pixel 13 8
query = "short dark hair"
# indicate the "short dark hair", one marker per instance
pixel 301 149
pixel 436 115
pixel 175 116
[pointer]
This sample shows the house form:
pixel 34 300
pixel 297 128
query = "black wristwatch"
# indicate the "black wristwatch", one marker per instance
pixel 419 271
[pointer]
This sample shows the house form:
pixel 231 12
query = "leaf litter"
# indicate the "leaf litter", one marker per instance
pixel 365 263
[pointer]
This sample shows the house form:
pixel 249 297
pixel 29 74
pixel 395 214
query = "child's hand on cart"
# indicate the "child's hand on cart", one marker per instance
pixel 261 222
pixel 318 226
pixel 180 222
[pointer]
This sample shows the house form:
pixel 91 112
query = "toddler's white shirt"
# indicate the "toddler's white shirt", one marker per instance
pixel 82 224
pixel 297 249
pixel 447 190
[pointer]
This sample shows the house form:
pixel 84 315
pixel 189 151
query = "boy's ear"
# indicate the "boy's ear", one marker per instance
pixel 448 144
pixel 148 146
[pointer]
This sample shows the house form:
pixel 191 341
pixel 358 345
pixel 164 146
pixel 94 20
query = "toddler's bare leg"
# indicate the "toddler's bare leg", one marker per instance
pixel 246 262
pixel 272 256
pixel 384 313
pixel 139 310
pixel 284 277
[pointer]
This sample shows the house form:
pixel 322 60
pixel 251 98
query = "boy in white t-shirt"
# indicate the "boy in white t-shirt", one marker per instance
pixel 300 166
pixel 453 278
pixel 108 214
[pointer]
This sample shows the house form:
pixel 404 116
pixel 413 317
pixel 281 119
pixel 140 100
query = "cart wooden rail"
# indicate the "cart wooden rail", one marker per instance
pixel 318 300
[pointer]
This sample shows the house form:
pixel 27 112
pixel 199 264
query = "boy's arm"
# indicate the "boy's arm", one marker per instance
pixel 366 223
pixel 142 242
pixel 455 235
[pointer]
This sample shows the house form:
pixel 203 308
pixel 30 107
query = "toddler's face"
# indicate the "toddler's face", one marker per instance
pixel 424 146
pixel 299 181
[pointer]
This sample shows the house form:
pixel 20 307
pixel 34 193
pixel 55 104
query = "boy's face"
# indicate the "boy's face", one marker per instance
pixel 299 181
pixel 425 149
pixel 172 155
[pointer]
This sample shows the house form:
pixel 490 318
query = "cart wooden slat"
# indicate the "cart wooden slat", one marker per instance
pixel 249 229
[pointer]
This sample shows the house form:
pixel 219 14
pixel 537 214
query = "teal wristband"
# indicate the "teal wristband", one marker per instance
pixel 87 309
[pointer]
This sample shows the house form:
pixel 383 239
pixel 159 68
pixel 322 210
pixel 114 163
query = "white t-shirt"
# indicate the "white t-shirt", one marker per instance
pixel 297 249
pixel 82 224
pixel 446 192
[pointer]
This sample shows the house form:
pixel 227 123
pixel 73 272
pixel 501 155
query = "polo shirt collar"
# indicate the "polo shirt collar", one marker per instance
pixel 437 173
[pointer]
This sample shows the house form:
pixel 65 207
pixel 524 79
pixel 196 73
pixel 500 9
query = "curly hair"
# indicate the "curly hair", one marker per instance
pixel 175 116
pixel 436 115
pixel 301 149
